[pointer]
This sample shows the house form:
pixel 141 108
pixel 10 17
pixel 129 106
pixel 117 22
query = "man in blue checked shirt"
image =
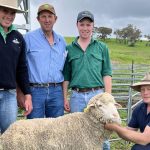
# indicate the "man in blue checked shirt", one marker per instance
pixel 46 53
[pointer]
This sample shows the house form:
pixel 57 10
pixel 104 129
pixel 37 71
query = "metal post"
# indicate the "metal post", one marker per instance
pixel 25 5
pixel 130 94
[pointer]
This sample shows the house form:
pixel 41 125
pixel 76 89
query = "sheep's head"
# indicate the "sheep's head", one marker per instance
pixel 103 108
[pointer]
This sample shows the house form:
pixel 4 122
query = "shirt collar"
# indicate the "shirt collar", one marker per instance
pixel 56 37
pixel 76 40
pixel 3 33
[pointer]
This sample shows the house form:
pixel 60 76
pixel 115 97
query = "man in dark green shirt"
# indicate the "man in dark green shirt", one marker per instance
pixel 87 69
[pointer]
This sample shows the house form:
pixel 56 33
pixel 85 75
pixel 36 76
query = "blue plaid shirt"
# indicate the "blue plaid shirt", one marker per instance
pixel 45 62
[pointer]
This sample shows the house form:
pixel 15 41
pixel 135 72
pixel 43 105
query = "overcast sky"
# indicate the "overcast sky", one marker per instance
pixel 115 14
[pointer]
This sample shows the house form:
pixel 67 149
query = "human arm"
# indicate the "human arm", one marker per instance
pixel 107 83
pixel 131 135
pixel 65 92
pixel 106 70
pixel 22 80
pixel 20 98
pixel 67 76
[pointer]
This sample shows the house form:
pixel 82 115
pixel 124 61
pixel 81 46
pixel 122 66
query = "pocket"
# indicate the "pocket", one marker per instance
pixel 96 61
pixel 32 89
pixel 13 91
pixel 75 61
pixel 73 93
pixel 74 58
pixel 97 57
pixel 33 51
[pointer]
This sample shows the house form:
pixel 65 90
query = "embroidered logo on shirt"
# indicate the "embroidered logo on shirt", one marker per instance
pixel 16 41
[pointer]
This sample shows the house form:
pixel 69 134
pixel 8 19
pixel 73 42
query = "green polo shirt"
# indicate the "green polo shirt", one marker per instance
pixel 86 69
pixel 4 34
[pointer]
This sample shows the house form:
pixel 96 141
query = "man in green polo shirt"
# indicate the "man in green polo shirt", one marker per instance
pixel 87 69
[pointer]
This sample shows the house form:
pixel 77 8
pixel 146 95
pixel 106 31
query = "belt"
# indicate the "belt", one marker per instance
pixel 86 89
pixel 4 89
pixel 44 84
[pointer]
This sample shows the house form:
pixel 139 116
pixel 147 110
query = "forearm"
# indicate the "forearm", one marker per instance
pixel 65 92
pixel 107 83
pixel 65 89
pixel 130 135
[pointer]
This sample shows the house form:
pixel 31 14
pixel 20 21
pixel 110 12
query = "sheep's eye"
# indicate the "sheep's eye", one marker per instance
pixel 100 105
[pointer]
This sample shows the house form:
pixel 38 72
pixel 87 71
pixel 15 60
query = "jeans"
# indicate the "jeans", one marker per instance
pixel 8 109
pixel 141 147
pixel 106 145
pixel 79 101
pixel 47 102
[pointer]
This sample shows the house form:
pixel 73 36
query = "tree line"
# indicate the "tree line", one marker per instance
pixel 127 35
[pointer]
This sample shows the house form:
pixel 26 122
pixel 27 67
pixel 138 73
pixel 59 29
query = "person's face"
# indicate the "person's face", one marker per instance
pixel 7 17
pixel 46 20
pixel 85 28
pixel 145 93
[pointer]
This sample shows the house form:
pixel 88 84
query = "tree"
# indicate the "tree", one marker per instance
pixel 102 32
pixel 148 38
pixel 129 34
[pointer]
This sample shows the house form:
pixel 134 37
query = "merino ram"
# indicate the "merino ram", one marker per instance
pixel 76 131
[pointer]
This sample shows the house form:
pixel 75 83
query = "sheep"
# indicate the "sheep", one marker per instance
pixel 75 131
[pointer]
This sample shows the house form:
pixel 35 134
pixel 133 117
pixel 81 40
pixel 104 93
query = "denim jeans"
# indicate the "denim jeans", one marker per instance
pixel 8 109
pixel 106 145
pixel 47 102
pixel 79 101
pixel 141 147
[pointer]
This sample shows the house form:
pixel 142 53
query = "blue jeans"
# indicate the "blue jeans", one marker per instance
pixel 79 101
pixel 47 102
pixel 8 109
pixel 106 145
pixel 141 147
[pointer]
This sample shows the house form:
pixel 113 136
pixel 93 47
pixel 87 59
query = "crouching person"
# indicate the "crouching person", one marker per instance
pixel 140 119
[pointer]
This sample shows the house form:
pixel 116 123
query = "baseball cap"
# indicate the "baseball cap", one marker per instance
pixel 85 14
pixel 47 7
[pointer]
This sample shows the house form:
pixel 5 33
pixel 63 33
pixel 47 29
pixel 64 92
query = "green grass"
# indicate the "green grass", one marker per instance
pixel 121 53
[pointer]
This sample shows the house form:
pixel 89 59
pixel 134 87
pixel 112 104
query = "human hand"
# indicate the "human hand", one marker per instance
pixel 20 98
pixel 28 104
pixel 110 126
pixel 66 106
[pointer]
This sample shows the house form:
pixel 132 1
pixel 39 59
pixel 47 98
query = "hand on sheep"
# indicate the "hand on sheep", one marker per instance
pixel 111 126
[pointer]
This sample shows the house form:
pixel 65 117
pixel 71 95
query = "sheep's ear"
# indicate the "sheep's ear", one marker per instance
pixel 118 105
pixel 88 107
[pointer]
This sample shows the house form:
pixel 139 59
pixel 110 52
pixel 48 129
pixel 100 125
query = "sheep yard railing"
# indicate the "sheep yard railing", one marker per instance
pixel 123 76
